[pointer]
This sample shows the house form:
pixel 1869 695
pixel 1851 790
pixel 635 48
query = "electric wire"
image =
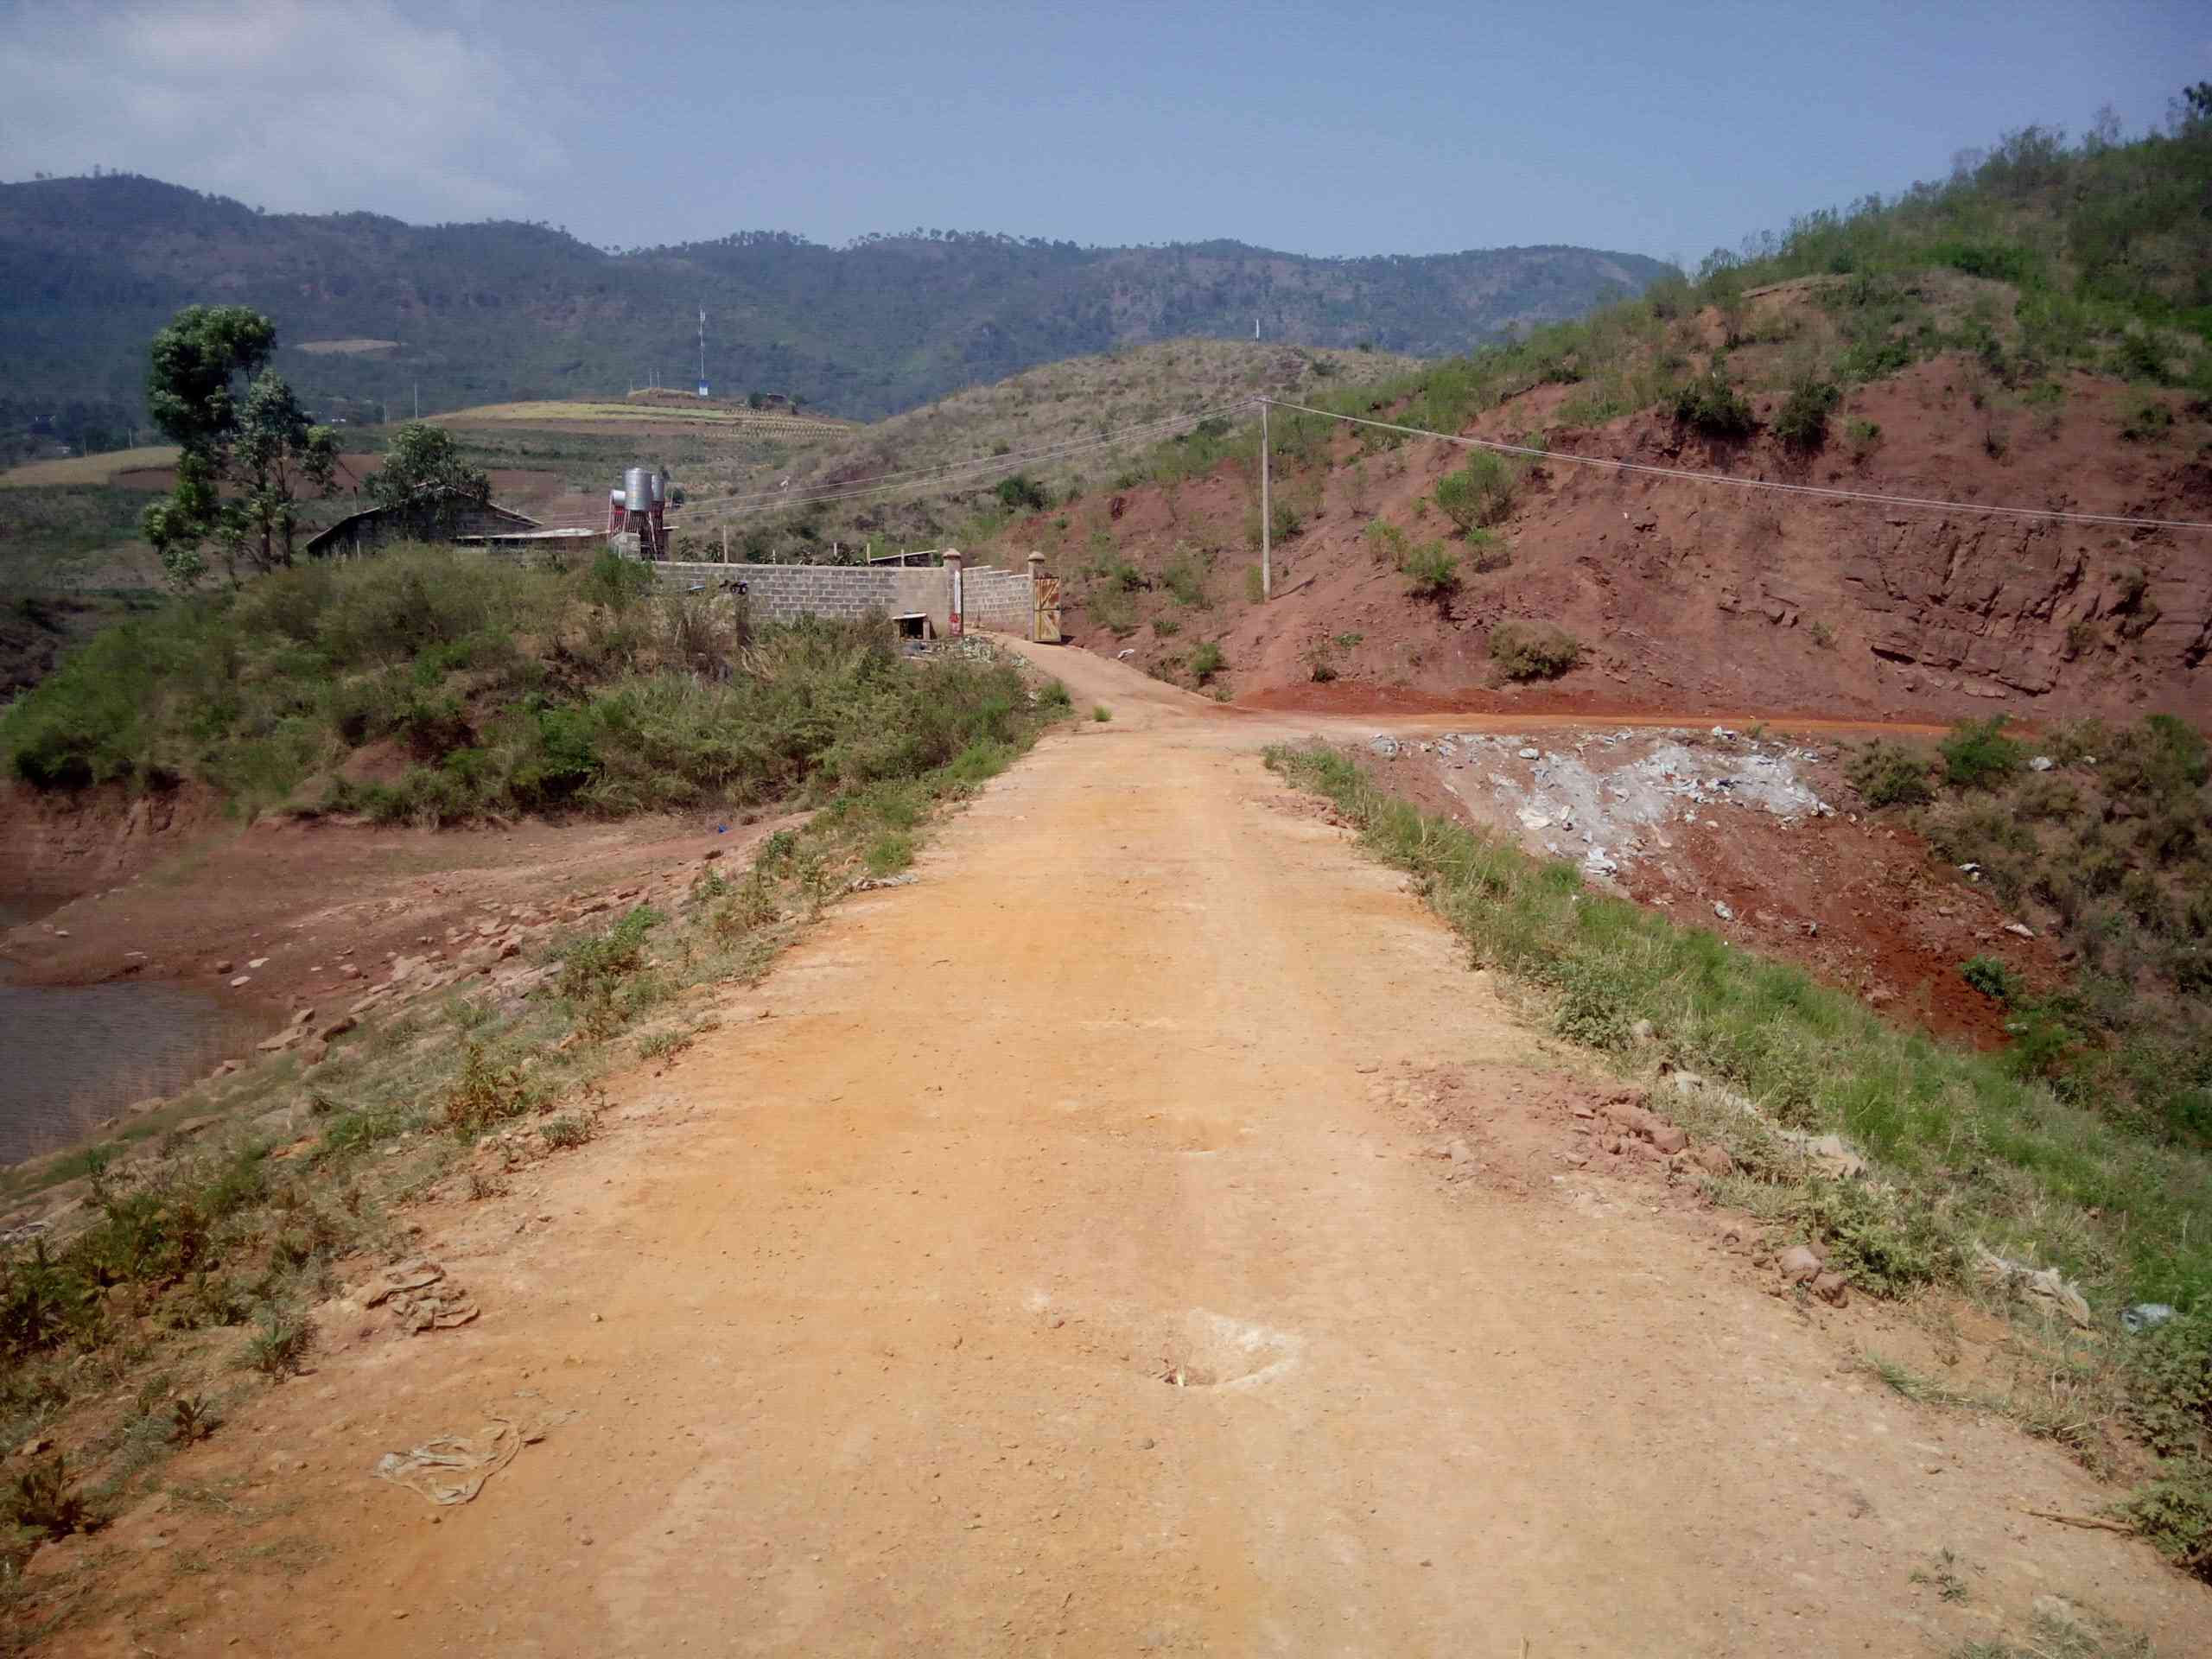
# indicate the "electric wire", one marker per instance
pixel 1872 496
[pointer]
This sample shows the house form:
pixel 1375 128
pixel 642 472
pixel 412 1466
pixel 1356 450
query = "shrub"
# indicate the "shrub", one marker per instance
pixel 1487 553
pixel 1977 754
pixel 1864 436
pixel 1532 651
pixel 1712 406
pixel 568 1130
pixel 483 1093
pixel 1255 585
pixel 1184 577
pixel 1889 774
pixel 1205 662
pixel 1388 541
pixel 279 1347
pixel 44 1501
pixel 1480 493
pixel 617 582
pixel 1022 493
pixel 1431 570
pixel 1802 423
pixel 1991 977
pixel 1101 713
pixel 2139 356
pixel 2147 422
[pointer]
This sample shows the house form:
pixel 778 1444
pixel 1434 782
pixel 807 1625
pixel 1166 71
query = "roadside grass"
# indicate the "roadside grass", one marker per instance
pixel 494 691
pixel 1969 1150
pixel 201 1253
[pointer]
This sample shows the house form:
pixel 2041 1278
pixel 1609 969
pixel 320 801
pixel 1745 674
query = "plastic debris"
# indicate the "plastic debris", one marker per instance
pixel 2045 1284
pixel 2042 763
pixel 2146 1316
pixel 453 1468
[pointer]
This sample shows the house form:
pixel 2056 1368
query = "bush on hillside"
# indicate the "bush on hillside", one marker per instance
pixel 1480 493
pixel 1532 651
pixel 1802 422
pixel 1889 774
pixel 1022 493
pixel 1713 407
pixel 1431 570
pixel 1977 754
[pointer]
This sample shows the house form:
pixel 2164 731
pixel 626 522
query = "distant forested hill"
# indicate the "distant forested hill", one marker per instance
pixel 90 267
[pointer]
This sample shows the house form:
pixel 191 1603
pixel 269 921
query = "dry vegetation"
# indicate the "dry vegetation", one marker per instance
pixel 1049 407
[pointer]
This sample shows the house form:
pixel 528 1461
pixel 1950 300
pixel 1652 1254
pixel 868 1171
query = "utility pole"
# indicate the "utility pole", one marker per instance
pixel 1266 523
pixel 418 400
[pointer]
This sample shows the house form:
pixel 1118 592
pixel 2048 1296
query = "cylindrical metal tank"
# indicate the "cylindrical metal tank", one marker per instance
pixel 638 490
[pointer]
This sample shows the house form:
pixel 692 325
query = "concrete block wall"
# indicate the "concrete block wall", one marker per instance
pixel 783 592
pixel 999 599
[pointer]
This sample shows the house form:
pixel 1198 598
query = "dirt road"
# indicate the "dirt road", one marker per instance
pixel 1052 1257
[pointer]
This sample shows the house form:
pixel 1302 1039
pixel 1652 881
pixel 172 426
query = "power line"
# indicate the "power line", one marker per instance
pixel 956 472
pixel 1822 491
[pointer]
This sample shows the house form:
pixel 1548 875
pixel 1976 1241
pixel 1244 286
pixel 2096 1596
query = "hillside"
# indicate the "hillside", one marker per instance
pixel 2033 333
pixel 488 313
pixel 1053 409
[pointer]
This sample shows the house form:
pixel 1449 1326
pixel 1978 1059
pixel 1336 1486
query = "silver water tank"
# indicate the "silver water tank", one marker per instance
pixel 660 490
pixel 638 490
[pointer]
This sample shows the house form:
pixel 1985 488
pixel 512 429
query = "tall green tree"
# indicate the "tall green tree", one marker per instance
pixel 247 448
pixel 423 473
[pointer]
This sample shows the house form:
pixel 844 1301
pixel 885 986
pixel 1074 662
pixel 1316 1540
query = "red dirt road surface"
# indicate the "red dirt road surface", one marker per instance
pixel 1057 1256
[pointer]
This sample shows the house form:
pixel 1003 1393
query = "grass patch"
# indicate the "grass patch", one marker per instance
pixel 506 690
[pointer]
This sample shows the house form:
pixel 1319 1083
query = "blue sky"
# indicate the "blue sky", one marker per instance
pixel 1330 129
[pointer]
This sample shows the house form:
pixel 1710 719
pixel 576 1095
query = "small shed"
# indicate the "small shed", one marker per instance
pixel 450 515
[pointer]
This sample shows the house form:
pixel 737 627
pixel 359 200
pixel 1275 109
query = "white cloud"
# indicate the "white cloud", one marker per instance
pixel 293 105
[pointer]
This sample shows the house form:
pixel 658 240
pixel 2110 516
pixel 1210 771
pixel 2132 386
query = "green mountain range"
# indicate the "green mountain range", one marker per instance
pixel 481 313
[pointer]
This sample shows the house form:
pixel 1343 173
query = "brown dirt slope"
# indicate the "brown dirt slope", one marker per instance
pixel 1690 595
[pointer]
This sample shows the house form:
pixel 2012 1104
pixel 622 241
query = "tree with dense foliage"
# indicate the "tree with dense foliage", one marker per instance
pixel 262 446
pixel 423 470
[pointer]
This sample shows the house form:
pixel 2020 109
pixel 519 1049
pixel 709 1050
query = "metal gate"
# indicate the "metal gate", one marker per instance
pixel 1047 631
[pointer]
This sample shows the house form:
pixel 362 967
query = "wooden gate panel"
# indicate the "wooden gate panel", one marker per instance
pixel 1047 631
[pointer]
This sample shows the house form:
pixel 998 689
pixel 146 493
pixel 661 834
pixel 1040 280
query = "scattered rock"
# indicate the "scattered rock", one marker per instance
pixel 1670 1137
pixel 259 962
pixel 711 855
pixel 1385 746
pixel 224 966
pixel 336 1028
pixel 2042 763
pixel 239 980
pixel 2020 928
pixel 1799 1265
pixel 1714 1160
pixel 1831 1288
pixel 1532 754
pixel 1723 911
